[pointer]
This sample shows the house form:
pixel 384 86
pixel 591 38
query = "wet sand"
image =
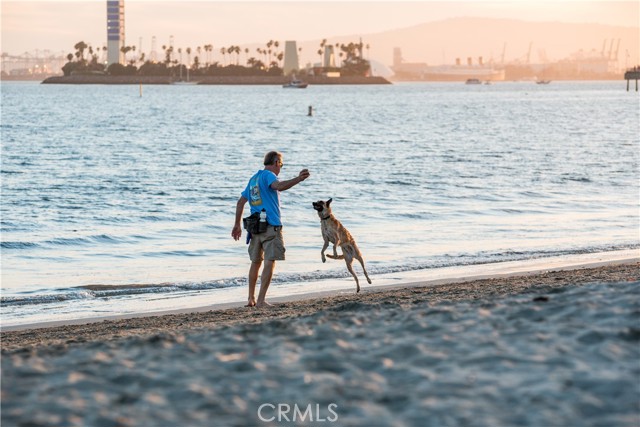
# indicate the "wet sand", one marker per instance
pixel 555 348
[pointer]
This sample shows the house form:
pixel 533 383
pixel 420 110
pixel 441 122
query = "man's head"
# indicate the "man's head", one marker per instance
pixel 273 161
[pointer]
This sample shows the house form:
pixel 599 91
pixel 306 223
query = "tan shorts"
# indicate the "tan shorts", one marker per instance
pixel 268 245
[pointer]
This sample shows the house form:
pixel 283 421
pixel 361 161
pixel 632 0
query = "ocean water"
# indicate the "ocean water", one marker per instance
pixel 119 201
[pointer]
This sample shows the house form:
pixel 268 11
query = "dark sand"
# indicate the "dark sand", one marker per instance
pixel 63 336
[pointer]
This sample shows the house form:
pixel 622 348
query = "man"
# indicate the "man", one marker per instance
pixel 263 192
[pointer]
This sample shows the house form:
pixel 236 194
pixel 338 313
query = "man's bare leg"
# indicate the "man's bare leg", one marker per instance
pixel 265 281
pixel 253 279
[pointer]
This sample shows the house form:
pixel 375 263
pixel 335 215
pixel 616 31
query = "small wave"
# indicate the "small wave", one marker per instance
pixel 70 241
pixel 62 241
pixel 574 178
pixel 176 253
pixel 400 182
pixel 533 194
pixel 447 260
pixel 114 291
pixel 18 245
pixel 153 218
pixel 79 241
pixel 44 299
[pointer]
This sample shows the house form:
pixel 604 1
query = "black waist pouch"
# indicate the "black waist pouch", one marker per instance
pixel 253 225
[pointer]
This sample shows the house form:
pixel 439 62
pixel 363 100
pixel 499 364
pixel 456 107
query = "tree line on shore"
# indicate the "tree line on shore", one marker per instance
pixel 267 61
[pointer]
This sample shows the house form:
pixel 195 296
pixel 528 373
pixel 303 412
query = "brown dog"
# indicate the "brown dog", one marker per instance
pixel 333 231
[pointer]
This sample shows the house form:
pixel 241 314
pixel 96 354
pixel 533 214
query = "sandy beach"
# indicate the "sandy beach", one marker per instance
pixel 555 348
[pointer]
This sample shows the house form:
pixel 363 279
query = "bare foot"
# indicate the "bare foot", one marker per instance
pixel 264 304
pixel 251 303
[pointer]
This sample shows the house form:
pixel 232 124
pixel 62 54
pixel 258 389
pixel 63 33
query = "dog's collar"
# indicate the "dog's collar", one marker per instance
pixel 326 217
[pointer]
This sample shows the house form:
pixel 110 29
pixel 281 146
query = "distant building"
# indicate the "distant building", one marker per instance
pixel 291 64
pixel 406 70
pixel 329 57
pixel 115 31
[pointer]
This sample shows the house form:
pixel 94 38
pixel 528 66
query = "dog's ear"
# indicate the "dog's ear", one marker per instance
pixel 329 202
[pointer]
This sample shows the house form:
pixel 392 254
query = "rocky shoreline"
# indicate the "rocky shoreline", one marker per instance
pixel 213 80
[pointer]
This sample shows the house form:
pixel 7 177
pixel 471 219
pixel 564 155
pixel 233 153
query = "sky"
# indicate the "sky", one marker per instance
pixel 58 25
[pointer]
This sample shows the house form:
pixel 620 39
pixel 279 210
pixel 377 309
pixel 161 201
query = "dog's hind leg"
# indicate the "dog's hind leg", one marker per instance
pixel 358 256
pixel 348 259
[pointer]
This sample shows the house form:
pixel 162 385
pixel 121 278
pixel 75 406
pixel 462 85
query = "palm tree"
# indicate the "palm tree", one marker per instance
pixel 169 54
pixel 80 47
pixel 223 51
pixel 246 55
pixel 269 44
pixel 208 48
pixel 323 43
pixel 230 50
pixel 263 52
pixel 125 50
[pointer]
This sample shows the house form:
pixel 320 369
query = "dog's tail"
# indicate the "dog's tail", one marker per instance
pixel 335 257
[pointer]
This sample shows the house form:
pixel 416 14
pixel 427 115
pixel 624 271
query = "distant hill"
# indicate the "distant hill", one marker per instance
pixel 442 42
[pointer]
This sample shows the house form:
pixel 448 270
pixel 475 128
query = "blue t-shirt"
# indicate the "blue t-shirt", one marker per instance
pixel 261 196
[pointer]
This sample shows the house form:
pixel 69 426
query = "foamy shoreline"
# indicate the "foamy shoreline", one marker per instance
pixel 236 296
pixel 567 271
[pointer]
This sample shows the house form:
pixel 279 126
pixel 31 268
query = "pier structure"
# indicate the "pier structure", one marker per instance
pixel 632 74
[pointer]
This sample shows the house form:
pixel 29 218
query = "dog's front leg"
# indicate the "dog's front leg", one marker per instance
pixel 324 248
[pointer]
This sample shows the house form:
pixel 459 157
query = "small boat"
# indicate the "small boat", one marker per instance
pixel 473 82
pixel 297 84
pixel 543 82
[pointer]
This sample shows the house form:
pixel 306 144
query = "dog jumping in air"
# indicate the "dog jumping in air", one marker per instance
pixel 333 231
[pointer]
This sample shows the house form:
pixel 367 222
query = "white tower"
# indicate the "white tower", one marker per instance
pixel 329 57
pixel 115 31
pixel 290 57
